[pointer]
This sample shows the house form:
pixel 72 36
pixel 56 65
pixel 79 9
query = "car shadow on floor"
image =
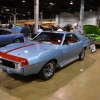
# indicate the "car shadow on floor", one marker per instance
pixel 25 79
pixel 13 81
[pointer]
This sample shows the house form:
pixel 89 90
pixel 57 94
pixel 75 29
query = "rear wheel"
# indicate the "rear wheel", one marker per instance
pixel 17 41
pixel 82 54
pixel 47 71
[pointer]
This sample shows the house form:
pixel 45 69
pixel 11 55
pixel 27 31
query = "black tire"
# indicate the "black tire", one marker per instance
pixel 82 54
pixel 17 41
pixel 47 71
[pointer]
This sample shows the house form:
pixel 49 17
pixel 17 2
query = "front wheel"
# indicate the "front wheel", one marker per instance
pixel 47 71
pixel 82 54
pixel 17 41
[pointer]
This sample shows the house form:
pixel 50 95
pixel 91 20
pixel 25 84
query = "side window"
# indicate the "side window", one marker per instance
pixel 7 32
pixel 3 32
pixel 70 38
pixel 0 32
pixel 74 38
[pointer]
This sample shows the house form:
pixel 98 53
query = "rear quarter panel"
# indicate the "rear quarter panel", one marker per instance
pixel 12 37
pixel 85 41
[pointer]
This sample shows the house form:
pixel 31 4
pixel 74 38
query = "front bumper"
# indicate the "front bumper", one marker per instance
pixel 12 70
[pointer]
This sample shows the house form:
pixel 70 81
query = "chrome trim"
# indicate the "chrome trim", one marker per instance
pixel 68 62
pixel 5 67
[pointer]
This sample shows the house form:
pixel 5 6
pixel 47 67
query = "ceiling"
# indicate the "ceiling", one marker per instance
pixel 25 10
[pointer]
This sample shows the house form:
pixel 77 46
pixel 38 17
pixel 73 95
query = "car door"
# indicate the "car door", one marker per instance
pixel 9 36
pixel 71 47
pixel 3 37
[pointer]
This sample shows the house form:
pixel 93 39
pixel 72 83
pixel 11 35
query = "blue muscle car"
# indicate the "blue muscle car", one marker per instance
pixel 8 36
pixel 47 51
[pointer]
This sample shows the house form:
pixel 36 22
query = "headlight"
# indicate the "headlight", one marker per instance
pixel 17 66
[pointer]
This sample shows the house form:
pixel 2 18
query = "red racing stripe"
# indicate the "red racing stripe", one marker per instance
pixel 23 61
pixel 19 48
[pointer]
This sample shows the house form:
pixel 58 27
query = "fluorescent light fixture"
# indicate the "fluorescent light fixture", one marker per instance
pixel 4 6
pixel 23 14
pixel 71 3
pixel 52 4
pixel 23 1
pixel 7 9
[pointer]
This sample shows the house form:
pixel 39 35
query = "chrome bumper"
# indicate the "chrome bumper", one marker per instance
pixel 12 70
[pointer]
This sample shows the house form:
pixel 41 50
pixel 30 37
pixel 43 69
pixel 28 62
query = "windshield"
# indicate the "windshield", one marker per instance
pixel 54 38
pixel 11 31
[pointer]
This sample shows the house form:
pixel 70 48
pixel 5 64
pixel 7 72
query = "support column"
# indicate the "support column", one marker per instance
pixel 10 20
pixel 14 15
pixel 41 17
pixel 36 14
pixel 56 20
pixel 81 13
pixel 59 20
pixel 14 19
pixel 17 20
pixel 98 17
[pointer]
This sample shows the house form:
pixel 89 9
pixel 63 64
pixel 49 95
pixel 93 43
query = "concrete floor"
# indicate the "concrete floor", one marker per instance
pixel 77 81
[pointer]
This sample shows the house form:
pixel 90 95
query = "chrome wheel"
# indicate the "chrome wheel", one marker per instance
pixel 17 41
pixel 82 55
pixel 47 71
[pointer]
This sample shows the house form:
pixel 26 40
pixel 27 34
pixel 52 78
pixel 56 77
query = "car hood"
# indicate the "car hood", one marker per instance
pixel 27 50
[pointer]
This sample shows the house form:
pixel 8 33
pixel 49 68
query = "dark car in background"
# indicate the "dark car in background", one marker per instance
pixel 8 36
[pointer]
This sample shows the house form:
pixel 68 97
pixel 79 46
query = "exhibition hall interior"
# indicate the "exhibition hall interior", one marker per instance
pixel 49 49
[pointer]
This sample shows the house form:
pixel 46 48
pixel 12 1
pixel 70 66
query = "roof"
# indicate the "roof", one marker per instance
pixel 25 10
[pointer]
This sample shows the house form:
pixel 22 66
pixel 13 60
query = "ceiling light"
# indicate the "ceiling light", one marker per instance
pixel 4 6
pixel 52 4
pixel 23 1
pixel 23 14
pixel 71 3
pixel 7 9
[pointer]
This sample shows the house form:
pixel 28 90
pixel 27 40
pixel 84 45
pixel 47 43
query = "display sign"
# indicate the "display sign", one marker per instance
pixel 93 48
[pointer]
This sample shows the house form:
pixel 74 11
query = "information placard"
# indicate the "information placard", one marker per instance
pixel 93 48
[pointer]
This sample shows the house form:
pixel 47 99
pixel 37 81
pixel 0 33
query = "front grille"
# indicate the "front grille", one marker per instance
pixel 7 63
